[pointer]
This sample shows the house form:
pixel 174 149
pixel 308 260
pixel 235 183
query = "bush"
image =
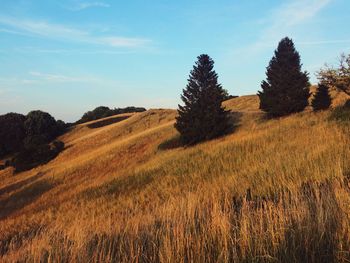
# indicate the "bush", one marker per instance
pixel 341 113
pixel 322 100
pixel 12 133
pixel 29 137
pixel 39 123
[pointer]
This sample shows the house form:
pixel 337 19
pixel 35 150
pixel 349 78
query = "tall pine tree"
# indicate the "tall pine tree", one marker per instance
pixel 286 89
pixel 322 100
pixel 202 116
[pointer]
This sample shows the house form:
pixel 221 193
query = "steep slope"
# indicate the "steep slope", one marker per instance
pixel 127 192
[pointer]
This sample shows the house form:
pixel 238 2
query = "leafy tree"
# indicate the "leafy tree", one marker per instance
pixel 286 89
pixel 28 138
pixel 226 95
pixel 12 133
pixel 40 127
pixel 202 116
pixel 322 100
pixel 337 77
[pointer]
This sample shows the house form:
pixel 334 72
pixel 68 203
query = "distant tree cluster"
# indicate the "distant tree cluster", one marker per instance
pixel 103 112
pixel 29 137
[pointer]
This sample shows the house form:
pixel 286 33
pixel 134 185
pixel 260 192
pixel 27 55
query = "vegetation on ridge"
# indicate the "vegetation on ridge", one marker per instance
pixel 103 112
pixel 322 99
pixel 112 195
pixel 202 116
pixel 124 190
pixel 286 89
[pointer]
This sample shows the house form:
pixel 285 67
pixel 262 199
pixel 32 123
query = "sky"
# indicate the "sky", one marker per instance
pixel 66 57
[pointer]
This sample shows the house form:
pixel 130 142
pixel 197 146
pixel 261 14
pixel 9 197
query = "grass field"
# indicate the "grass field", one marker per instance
pixel 272 191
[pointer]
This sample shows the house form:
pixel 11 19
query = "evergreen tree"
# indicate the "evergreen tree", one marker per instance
pixel 202 116
pixel 322 100
pixel 286 89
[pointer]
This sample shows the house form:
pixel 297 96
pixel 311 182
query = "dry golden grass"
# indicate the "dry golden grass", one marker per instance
pixel 272 191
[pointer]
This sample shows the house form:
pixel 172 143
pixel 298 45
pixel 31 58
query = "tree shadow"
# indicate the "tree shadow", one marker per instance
pixel 26 196
pixel 32 157
pixel 20 184
pixel 170 144
pixel 314 238
pixel 235 119
pixel 106 122
pixel 175 142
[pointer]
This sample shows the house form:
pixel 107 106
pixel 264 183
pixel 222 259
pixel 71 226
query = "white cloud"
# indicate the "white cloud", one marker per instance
pixel 37 77
pixel 285 19
pixel 57 77
pixel 123 41
pixel 297 12
pixel 324 42
pixel 31 50
pixel 12 81
pixel 63 32
pixel 85 5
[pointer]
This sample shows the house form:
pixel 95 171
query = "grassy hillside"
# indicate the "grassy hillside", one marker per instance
pixel 125 191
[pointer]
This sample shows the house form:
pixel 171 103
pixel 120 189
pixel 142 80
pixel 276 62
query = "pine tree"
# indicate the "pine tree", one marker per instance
pixel 286 89
pixel 202 116
pixel 322 100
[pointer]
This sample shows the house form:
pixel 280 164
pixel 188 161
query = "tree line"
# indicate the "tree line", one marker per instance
pixel 30 140
pixel 285 91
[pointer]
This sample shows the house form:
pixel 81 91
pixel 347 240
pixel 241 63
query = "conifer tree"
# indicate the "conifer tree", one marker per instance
pixel 322 100
pixel 286 89
pixel 202 116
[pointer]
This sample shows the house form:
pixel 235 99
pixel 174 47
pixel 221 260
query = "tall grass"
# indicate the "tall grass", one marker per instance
pixel 273 191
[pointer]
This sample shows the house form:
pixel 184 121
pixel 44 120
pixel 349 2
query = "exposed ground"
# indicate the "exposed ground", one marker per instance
pixel 124 190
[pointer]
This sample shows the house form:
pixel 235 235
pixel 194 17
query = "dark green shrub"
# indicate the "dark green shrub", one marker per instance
pixel 39 123
pixel 12 133
pixel 341 113
pixel 322 100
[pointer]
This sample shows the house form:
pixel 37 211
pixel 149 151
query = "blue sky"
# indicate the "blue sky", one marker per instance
pixel 69 56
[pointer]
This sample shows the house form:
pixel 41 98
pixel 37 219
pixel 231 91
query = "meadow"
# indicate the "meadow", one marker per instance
pixel 274 190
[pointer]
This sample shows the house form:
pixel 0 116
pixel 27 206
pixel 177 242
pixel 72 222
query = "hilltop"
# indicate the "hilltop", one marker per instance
pixel 124 188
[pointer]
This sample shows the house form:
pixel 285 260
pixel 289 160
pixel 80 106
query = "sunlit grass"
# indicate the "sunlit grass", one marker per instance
pixel 272 191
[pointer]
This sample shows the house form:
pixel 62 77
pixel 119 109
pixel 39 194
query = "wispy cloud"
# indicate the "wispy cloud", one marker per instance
pixel 85 5
pixel 324 42
pixel 57 77
pixel 283 20
pixel 44 79
pixel 66 33
pixel 109 51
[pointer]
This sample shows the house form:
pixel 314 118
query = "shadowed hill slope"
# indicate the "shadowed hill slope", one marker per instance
pixel 274 189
